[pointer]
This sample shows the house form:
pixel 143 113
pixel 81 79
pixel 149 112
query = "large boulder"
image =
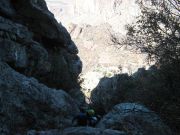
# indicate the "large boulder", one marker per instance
pixel 26 104
pixel 134 119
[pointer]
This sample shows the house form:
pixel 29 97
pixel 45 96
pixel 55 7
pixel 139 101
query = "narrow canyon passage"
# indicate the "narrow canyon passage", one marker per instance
pixel 89 67
pixel 92 24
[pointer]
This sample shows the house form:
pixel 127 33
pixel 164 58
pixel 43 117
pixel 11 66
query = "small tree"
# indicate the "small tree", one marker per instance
pixel 157 31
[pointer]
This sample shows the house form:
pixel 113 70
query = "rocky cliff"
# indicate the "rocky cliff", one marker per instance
pixel 115 12
pixel 35 52
pixel 35 44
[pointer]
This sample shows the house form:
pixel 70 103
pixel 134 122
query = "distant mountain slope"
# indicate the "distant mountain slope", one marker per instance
pixel 116 12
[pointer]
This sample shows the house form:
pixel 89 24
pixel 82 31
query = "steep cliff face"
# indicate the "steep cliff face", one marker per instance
pixel 35 49
pixel 38 45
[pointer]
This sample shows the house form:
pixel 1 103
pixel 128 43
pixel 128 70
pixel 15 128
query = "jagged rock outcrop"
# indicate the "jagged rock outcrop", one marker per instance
pixel 78 131
pixel 27 104
pixel 37 45
pixel 134 119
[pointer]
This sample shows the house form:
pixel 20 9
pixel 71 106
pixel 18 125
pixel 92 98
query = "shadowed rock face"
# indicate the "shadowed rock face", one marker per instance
pixel 35 49
pixel 34 44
